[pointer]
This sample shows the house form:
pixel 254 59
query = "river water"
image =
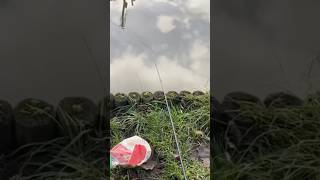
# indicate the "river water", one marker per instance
pixel 174 35
pixel 266 46
pixel 51 49
pixel 44 49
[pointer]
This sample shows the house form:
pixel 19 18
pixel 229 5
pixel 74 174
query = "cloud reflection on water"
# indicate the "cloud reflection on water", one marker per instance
pixel 174 34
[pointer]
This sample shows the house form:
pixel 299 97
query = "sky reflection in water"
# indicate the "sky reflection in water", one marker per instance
pixel 173 34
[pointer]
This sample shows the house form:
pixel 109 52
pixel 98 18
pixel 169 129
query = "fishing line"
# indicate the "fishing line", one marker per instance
pixel 172 124
pixel 94 62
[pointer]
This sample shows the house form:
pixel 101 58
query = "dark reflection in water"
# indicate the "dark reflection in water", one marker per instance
pixel 50 49
pixel 266 46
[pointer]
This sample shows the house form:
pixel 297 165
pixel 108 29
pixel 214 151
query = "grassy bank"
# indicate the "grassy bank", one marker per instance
pixel 262 143
pixel 280 143
pixel 82 156
pixel 151 122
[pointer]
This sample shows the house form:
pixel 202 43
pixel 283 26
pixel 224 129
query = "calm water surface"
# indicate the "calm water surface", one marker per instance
pixel 265 46
pixel 57 47
pixel 173 34
pixel 43 49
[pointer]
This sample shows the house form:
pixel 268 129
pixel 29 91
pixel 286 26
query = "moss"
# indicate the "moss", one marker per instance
pixel 184 94
pixel 146 97
pixel 198 93
pixel 76 113
pixel 185 97
pixel 158 96
pixel 35 121
pixel 173 97
pixel 134 98
pixel 120 99
pixel 282 99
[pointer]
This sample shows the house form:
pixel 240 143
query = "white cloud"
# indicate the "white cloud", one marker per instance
pixel 186 36
pixel 201 7
pixel 170 2
pixel 200 56
pixel 186 21
pixel 130 73
pixel 166 23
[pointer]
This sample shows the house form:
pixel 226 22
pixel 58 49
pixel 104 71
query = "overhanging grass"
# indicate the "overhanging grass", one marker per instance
pixel 287 145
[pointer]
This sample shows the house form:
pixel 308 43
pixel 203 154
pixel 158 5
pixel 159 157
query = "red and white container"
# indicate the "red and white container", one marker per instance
pixel 130 152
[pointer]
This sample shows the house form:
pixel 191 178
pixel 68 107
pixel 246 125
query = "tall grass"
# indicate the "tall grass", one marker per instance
pixel 285 145
pixel 79 154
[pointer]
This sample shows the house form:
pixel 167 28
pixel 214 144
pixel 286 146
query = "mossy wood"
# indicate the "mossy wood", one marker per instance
pixel 34 121
pixel 76 114
pixel 282 99
pixel 120 99
pixel 146 97
pixel 158 96
pixel 173 97
pixel 134 98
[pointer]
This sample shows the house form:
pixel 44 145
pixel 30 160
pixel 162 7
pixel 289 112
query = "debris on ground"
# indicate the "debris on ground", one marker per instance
pixel 131 152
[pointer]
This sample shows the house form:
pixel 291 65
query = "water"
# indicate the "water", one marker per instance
pixel 266 46
pixel 174 34
pixel 42 49
pixel 258 47
pixel 43 53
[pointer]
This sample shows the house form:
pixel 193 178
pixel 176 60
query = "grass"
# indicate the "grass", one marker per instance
pixel 155 127
pixel 281 143
pixel 74 156
pixel 82 155
pixel 285 145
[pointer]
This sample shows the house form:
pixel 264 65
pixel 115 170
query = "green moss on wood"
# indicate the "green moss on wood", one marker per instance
pixel 134 97
pixel 34 121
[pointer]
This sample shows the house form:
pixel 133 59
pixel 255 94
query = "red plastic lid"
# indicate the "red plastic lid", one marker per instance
pixel 138 155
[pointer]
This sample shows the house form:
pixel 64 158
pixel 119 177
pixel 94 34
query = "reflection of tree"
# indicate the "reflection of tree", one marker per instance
pixel 123 14
pixel 123 17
